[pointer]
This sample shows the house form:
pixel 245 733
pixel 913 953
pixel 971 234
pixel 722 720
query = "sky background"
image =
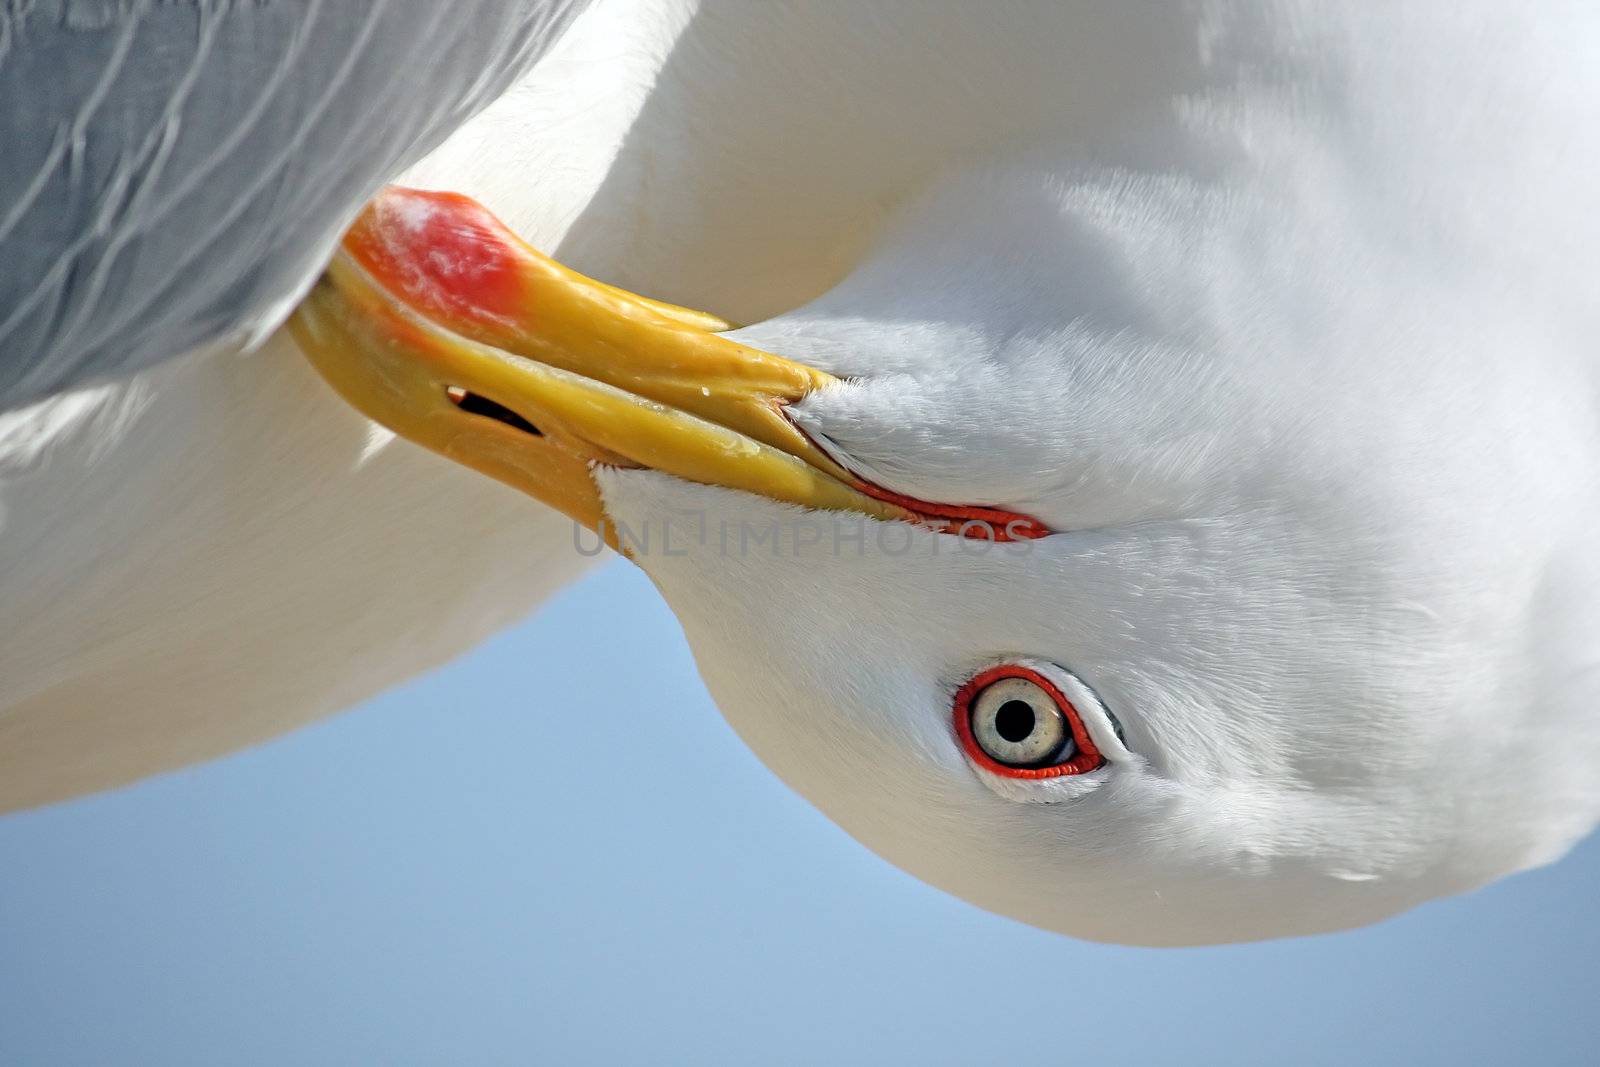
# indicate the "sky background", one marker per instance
pixel 554 851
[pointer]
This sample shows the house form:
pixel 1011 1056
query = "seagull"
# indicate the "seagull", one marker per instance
pixel 1151 496
pixel 1179 538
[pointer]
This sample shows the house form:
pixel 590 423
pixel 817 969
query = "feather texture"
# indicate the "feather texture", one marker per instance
pixel 175 173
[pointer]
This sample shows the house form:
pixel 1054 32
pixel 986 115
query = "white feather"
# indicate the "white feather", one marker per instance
pixel 1303 371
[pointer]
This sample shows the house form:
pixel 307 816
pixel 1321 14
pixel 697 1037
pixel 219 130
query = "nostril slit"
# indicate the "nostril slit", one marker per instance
pixel 474 404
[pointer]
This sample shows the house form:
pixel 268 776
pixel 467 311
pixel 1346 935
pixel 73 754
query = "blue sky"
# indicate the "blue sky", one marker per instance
pixel 554 851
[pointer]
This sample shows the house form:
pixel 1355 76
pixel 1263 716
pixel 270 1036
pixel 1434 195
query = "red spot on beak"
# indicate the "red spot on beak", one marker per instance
pixel 444 255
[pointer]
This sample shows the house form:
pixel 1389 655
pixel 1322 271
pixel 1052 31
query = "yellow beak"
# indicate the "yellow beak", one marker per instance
pixel 438 322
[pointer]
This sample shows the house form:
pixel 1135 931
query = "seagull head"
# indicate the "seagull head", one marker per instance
pixel 1110 635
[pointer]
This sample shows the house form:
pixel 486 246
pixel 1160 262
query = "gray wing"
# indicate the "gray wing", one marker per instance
pixel 173 171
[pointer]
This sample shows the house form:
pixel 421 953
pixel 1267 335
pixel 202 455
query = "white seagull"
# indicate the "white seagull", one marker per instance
pixel 1261 338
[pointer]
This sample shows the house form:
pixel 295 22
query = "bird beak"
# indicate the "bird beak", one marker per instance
pixel 437 321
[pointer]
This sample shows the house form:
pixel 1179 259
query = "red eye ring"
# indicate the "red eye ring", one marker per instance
pixel 1085 759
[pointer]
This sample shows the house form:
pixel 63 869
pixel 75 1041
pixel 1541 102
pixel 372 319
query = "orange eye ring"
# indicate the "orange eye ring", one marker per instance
pixel 1086 755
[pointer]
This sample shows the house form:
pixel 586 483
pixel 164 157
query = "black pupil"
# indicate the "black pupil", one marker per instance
pixel 1014 721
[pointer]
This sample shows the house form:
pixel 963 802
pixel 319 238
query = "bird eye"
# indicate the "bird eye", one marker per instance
pixel 1013 721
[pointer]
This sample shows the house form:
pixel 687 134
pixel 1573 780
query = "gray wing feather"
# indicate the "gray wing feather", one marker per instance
pixel 172 171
